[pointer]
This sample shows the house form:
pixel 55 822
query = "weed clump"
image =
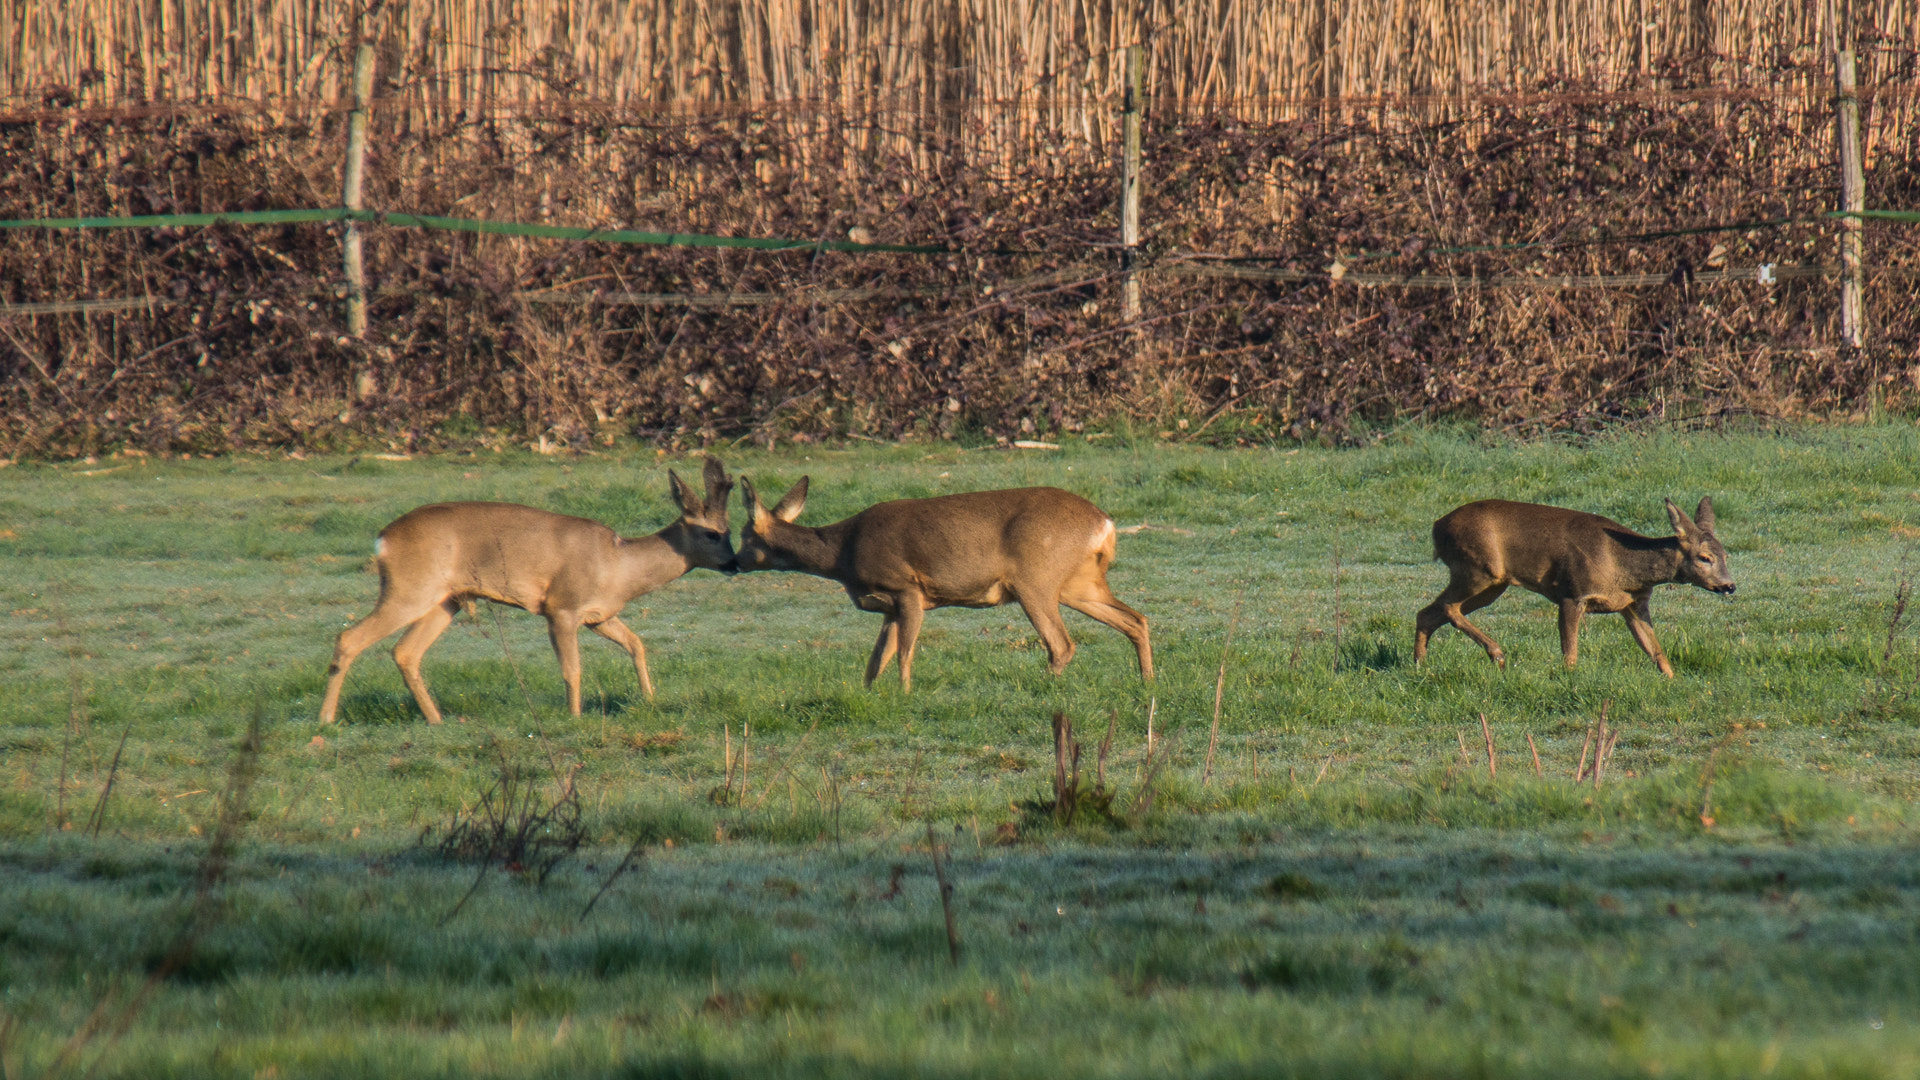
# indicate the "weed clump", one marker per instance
pixel 516 827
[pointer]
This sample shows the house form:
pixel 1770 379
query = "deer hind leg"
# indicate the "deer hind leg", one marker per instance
pixel 620 634
pixel 356 639
pixel 1094 600
pixel 884 648
pixel 413 647
pixel 563 629
pixel 1463 594
pixel 1043 611
pixel 1639 618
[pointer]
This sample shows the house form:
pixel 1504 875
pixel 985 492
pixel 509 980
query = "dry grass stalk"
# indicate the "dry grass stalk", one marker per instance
pixel 1595 731
pixel 1466 759
pixel 1536 755
pixel 632 858
pixel 98 818
pixel 242 771
pixel 1322 774
pixel 935 851
pixel 1220 682
pixel 1158 754
pixel 1487 732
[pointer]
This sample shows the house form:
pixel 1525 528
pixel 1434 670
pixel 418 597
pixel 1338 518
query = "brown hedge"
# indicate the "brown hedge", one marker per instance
pixel 249 348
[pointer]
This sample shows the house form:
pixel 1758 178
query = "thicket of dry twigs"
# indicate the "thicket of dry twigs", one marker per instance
pixel 1018 332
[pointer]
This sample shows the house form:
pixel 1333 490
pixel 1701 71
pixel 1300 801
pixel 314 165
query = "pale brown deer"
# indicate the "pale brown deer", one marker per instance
pixel 1582 562
pixel 576 572
pixel 1038 547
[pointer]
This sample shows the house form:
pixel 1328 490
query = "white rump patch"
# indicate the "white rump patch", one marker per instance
pixel 1103 534
pixel 379 546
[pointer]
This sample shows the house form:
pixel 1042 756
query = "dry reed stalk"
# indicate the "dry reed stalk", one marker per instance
pixel 1603 756
pixel 1322 774
pixel 1487 732
pixel 1536 755
pixel 1466 759
pixel 1046 72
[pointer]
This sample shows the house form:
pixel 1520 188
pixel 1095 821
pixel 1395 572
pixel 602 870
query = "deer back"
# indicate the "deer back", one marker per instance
pixel 957 547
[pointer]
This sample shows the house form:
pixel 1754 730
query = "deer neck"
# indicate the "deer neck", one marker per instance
pixel 648 562
pixel 1650 561
pixel 813 551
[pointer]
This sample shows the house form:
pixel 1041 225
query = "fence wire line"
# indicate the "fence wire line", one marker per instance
pixel 632 236
pixel 1763 274
pixel 1202 266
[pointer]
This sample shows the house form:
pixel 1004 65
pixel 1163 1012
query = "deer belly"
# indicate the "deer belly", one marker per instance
pixel 991 595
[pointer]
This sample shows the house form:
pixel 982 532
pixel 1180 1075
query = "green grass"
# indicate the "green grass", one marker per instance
pixel 1344 896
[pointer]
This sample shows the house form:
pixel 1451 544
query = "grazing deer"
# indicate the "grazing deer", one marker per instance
pixel 1583 562
pixel 574 571
pixel 1038 547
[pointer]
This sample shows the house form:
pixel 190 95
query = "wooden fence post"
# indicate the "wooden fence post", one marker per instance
pixel 1852 198
pixel 1130 184
pixel 350 196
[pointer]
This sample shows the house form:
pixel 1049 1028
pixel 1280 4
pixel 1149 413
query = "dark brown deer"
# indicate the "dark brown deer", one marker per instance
pixel 1582 562
pixel 1038 547
pixel 576 572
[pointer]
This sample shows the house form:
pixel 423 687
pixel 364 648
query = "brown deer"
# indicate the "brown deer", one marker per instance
pixel 1038 547
pixel 576 572
pixel 1583 562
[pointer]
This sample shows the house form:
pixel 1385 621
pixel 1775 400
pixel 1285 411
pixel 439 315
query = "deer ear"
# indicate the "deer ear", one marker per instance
pixel 750 499
pixel 719 485
pixel 688 499
pixel 1682 525
pixel 794 501
pixel 1703 515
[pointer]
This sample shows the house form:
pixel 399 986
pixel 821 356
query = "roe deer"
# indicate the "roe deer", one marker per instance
pixel 574 571
pixel 1583 562
pixel 1039 547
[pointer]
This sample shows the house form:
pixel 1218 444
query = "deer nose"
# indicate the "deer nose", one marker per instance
pixel 1725 590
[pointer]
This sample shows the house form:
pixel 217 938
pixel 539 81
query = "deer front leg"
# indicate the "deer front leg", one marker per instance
pixel 912 611
pixel 620 634
pixel 1639 618
pixel 1571 612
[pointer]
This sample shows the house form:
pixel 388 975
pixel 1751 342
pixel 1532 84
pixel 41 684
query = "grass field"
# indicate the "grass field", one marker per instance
pixel 1346 893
